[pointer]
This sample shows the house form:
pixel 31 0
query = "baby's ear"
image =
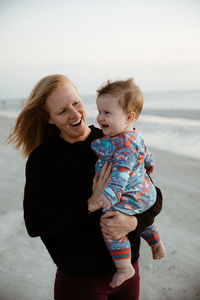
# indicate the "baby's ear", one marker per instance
pixel 131 116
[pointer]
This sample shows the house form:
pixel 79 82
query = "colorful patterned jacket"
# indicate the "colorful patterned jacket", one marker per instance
pixel 129 189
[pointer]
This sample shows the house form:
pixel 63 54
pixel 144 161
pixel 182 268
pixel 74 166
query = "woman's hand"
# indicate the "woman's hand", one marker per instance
pixel 98 186
pixel 115 224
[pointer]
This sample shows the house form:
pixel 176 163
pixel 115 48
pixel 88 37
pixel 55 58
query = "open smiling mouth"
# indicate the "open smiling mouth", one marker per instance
pixel 104 126
pixel 77 123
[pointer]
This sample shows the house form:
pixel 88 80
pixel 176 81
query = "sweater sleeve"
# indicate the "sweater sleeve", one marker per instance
pixel 43 214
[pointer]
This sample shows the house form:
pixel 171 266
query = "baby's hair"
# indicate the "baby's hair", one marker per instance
pixel 130 96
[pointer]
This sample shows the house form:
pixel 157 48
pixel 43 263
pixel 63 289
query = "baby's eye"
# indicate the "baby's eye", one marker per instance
pixel 107 112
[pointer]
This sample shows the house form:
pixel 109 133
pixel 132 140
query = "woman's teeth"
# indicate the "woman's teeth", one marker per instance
pixel 76 123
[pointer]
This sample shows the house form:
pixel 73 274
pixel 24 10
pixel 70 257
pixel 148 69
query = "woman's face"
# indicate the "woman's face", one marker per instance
pixel 67 112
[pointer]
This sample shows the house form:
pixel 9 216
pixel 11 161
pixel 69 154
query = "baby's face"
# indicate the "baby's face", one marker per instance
pixel 111 118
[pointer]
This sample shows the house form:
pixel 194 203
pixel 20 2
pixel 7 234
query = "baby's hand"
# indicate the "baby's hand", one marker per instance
pixel 104 202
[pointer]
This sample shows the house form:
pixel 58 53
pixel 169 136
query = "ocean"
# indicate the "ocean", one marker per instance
pixel 170 120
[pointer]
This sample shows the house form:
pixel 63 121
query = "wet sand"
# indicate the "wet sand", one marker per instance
pixel 27 272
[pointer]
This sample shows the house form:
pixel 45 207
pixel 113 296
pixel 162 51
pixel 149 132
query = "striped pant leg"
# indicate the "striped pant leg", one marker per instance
pixel 151 235
pixel 119 249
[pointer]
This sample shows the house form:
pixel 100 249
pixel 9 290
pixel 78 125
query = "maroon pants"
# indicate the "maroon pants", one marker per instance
pixel 95 288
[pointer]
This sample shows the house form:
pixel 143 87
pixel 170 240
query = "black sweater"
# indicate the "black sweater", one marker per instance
pixel 59 178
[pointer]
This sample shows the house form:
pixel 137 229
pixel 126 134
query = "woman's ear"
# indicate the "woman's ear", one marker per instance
pixel 47 114
pixel 131 116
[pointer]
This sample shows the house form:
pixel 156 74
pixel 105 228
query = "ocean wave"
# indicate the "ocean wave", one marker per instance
pixel 176 135
pixel 172 121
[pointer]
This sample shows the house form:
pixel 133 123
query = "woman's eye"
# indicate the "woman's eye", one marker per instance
pixel 60 113
pixel 77 102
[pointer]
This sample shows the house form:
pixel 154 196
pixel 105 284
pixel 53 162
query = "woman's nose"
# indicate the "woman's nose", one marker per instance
pixel 73 113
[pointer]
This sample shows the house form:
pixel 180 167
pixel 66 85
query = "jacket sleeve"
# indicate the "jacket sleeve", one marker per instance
pixel 42 214
pixel 149 162
pixel 146 218
pixel 122 165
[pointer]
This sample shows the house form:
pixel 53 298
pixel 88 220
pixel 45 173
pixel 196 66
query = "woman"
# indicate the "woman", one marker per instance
pixel 60 194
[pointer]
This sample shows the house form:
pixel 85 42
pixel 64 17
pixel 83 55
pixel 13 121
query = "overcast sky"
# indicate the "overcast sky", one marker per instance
pixel 155 41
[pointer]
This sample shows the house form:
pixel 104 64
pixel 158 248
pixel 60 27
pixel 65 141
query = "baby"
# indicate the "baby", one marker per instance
pixel 129 189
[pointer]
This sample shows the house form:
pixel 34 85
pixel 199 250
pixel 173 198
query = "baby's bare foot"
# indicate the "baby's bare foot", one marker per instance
pixel 158 250
pixel 122 275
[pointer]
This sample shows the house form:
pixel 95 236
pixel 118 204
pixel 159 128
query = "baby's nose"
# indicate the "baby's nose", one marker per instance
pixel 99 117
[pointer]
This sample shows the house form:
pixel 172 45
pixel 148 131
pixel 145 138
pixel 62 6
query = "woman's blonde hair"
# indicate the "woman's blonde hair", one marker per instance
pixel 129 94
pixel 32 127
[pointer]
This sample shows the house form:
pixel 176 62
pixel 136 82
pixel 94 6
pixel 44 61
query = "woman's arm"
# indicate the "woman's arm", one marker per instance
pixel 115 224
pixel 44 213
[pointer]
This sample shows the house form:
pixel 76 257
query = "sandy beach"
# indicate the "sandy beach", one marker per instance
pixel 27 272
